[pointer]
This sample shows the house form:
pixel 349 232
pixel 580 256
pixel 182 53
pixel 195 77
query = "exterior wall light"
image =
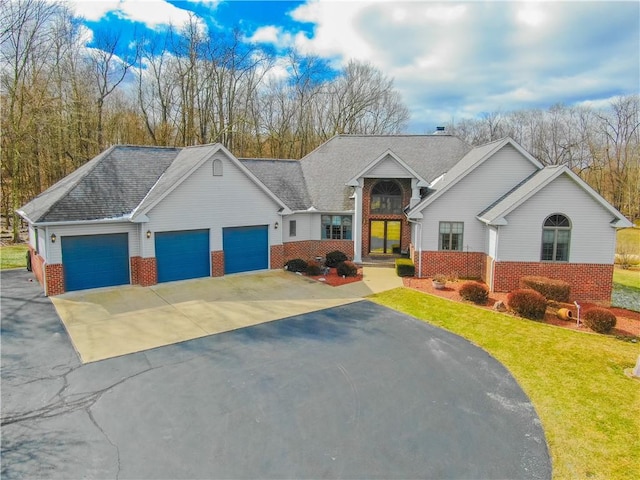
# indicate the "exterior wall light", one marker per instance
pixel 276 225
pixel 148 233
pixel 53 238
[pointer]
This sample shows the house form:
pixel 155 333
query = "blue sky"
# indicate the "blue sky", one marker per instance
pixel 449 60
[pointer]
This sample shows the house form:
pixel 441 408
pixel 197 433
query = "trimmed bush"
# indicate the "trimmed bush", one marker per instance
pixel 405 267
pixel 475 292
pixel 334 258
pixel 347 269
pixel 527 303
pixel 296 265
pixel 550 288
pixel 599 319
pixel 313 268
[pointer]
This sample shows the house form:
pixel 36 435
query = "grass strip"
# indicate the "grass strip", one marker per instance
pixel 575 380
pixel 13 256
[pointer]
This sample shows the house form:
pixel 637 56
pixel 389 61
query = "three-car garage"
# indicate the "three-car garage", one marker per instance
pixel 93 261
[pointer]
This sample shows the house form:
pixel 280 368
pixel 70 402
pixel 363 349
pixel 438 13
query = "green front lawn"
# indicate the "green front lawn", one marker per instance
pixel 576 381
pixel 13 256
pixel 628 278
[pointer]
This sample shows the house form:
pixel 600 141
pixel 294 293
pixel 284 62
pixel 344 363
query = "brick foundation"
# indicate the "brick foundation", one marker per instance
pixel 55 279
pixel 277 256
pixel 589 282
pixel 37 265
pixel 310 249
pixel 217 263
pixel 455 264
pixel 144 271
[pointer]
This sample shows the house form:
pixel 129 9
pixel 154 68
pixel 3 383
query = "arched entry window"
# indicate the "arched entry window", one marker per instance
pixel 386 197
pixel 556 236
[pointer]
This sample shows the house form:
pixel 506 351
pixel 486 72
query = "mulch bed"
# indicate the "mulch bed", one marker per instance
pixel 627 324
pixel 335 280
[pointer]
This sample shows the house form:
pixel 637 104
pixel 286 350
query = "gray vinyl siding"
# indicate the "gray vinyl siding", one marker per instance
pixel 206 201
pixel 303 227
pixel 592 237
pixel 472 194
pixel 388 168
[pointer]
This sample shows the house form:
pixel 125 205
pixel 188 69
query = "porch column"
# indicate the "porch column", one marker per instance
pixel 357 223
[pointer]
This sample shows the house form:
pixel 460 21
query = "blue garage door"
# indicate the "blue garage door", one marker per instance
pixel 182 255
pixel 94 261
pixel 245 248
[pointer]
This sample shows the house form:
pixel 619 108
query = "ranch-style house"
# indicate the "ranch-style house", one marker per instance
pixel 143 215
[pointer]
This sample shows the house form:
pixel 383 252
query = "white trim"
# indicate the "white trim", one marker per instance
pixel 354 181
pixel 215 148
pixel 496 148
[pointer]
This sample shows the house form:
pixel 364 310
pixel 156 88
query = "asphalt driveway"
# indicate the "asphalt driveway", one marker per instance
pixel 355 391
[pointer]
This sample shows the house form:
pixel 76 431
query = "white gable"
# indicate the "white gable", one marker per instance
pixel 592 236
pixel 389 167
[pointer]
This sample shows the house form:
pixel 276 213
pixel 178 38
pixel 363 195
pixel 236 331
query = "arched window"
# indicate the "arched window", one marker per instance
pixel 217 168
pixel 386 197
pixel 556 235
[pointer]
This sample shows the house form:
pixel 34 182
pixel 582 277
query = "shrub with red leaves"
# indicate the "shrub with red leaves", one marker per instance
pixel 527 303
pixel 475 292
pixel 599 320
pixel 551 288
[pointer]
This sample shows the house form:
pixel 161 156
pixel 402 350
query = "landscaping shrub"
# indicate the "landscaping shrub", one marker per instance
pixel 527 303
pixel 313 268
pixel 405 267
pixel 347 269
pixel 599 319
pixel 475 292
pixel 296 265
pixel 552 289
pixel 334 258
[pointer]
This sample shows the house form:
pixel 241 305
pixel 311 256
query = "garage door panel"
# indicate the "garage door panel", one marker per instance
pixel 92 261
pixel 181 255
pixel 246 248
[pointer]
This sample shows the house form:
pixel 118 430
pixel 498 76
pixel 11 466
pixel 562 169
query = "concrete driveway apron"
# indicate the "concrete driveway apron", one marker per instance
pixel 106 323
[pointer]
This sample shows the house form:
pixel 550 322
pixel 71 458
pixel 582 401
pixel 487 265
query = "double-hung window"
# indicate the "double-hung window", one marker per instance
pixel 336 227
pixel 451 236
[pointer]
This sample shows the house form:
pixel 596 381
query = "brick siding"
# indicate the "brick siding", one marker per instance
pixel 217 263
pixel 277 256
pixel 144 271
pixel 37 265
pixel 367 216
pixel 455 264
pixel 309 249
pixel 589 282
pixel 54 274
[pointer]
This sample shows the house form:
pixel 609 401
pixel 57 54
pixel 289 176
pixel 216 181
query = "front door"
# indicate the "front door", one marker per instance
pixel 385 236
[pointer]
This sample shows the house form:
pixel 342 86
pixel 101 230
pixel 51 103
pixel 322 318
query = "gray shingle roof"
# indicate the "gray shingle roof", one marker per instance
pixel 332 164
pixel 127 179
pixel 108 186
pixel 283 177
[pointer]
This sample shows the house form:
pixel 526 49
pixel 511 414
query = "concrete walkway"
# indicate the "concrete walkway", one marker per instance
pixel 110 322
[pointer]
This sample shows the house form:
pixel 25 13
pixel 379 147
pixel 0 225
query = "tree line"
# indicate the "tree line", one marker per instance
pixel 63 103
pixel 601 145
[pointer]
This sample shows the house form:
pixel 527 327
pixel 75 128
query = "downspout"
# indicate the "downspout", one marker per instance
pixel 419 245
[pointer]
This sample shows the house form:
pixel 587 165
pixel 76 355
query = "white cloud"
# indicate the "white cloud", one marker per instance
pixel 459 59
pixel 153 13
